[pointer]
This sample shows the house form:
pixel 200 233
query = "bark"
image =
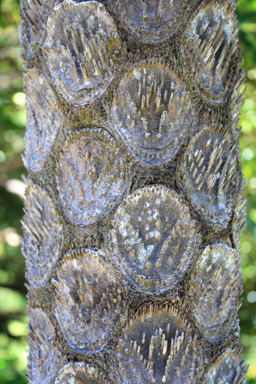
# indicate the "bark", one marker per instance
pixel 134 201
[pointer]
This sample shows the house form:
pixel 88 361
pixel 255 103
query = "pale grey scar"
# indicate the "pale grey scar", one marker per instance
pixel 152 112
pixel 214 291
pixel 42 235
pixel 153 238
pixel 44 119
pixel 90 300
pixel 92 175
pixel 210 48
pixel 208 175
pixel 152 21
pixel 44 356
pixel 82 50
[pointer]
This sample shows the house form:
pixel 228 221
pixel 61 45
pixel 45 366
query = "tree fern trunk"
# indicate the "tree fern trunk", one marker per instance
pixel 134 202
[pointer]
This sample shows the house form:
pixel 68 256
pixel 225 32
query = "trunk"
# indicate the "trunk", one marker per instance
pixel 134 202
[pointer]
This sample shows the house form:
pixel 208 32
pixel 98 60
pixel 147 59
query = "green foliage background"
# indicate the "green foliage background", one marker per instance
pixel 13 307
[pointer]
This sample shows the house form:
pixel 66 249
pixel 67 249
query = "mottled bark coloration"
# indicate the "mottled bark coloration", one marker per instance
pixel 134 203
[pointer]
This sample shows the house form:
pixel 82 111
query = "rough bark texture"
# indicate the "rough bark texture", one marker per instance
pixel 134 202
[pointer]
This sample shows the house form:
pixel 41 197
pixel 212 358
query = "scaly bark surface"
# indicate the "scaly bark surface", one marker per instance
pixel 134 201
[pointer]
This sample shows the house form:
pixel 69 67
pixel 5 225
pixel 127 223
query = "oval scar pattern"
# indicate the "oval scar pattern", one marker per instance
pixel 157 347
pixel 44 357
pixel 134 204
pixel 44 119
pixel 154 238
pixel 210 50
pixel 89 300
pixel 151 21
pixel 152 112
pixel 92 175
pixel 82 50
pixel 42 235
pixel 214 291
pixel 208 175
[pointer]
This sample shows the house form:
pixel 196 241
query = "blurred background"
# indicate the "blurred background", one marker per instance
pixel 13 307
